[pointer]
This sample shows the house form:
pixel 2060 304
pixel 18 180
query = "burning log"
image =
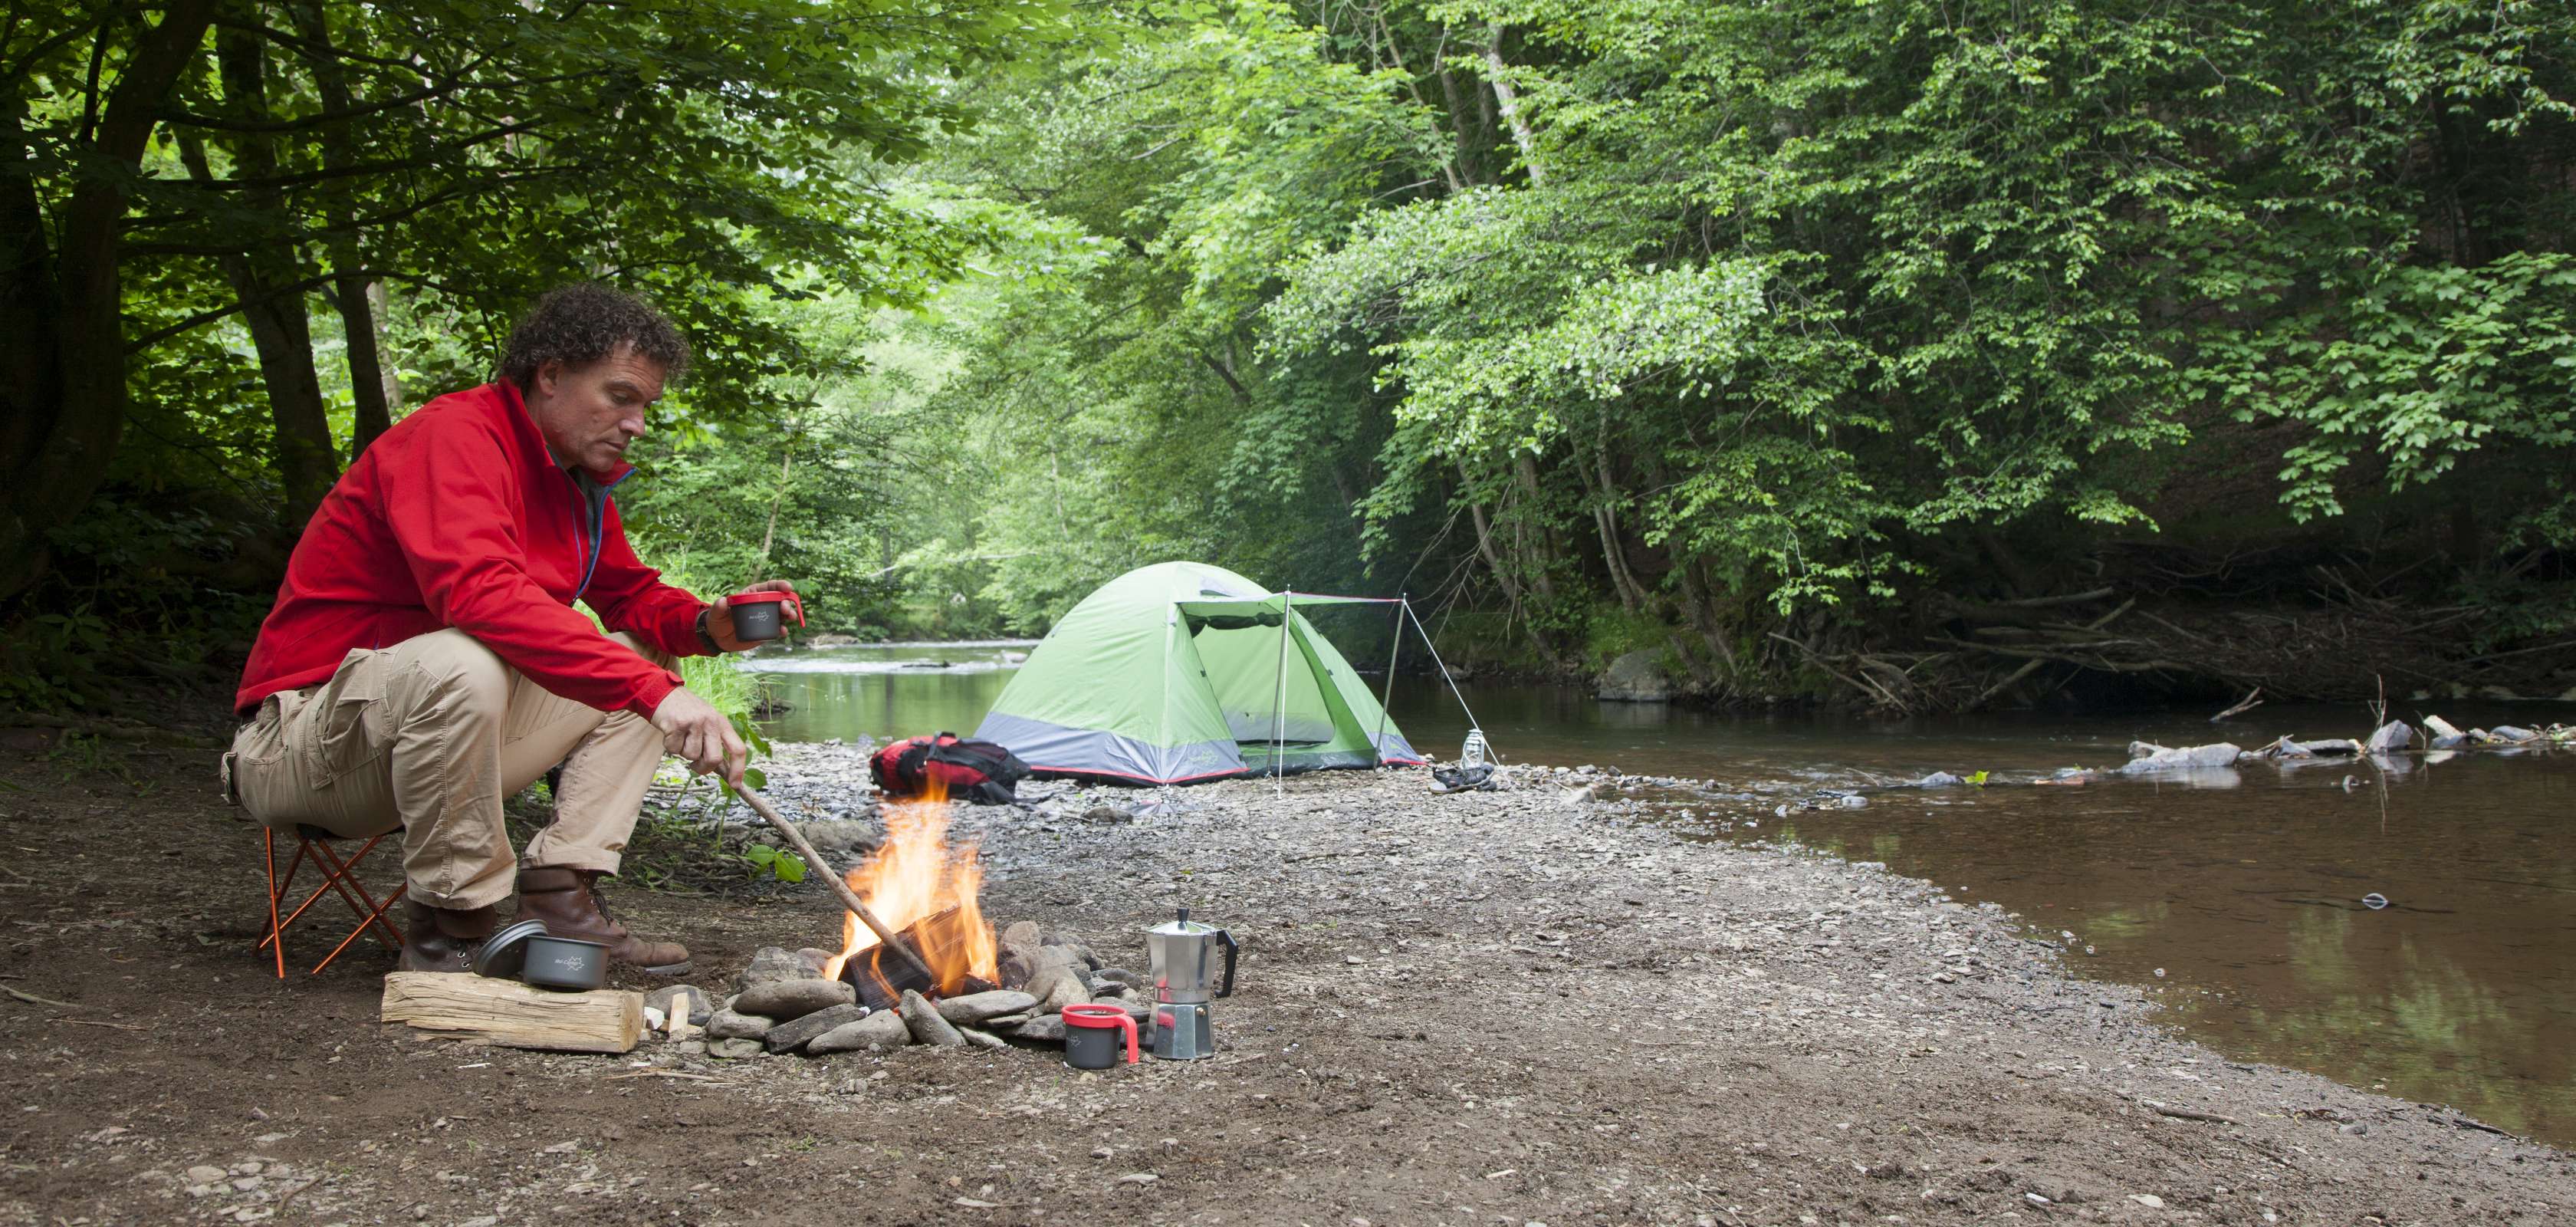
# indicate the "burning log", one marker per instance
pixel 939 938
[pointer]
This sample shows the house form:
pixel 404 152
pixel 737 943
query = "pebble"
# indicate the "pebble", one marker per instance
pixel 1108 814
pixel 978 1038
pixel 725 1024
pixel 790 999
pixel 1138 1178
pixel 2149 1200
pixel 727 1050
pixel 926 1024
pixel 873 1031
pixel 205 1174
pixel 977 1007
pixel 790 1036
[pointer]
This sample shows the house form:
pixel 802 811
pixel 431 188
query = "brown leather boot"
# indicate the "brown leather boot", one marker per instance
pixel 443 939
pixel 567 900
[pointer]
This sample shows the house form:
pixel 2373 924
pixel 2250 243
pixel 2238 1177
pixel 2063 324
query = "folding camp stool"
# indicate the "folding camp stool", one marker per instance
pixel 339 876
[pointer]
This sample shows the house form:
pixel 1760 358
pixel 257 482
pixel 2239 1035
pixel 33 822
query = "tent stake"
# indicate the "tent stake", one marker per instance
pixel 1393 651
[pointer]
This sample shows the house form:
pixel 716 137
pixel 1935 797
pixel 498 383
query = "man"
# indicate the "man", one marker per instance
pixel 424 661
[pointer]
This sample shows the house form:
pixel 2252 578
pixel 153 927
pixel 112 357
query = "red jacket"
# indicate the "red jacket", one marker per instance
pixel 458 516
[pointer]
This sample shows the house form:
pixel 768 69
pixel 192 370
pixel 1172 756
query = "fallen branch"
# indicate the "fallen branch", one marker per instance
pixel 91 1022
pixel 2253 699
pixel 33 999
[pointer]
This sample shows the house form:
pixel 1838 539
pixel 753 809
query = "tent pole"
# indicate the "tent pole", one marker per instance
pixel 1444 674
pixel 1279 698
pixel 1393 651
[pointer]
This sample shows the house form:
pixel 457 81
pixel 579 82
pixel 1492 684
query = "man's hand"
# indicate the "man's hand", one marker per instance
pixel 696 731
pixel 720 619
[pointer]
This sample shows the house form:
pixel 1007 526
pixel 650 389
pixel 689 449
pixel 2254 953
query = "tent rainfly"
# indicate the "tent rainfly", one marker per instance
pixel 1181 672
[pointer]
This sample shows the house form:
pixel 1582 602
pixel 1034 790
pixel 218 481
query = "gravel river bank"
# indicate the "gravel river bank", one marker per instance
pixel 1503 1007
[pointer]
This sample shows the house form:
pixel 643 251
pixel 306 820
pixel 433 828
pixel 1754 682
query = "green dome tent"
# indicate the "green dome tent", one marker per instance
pixel 1181 672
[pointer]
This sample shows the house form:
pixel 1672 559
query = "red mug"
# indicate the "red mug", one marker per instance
pixel 1090 1035
pixel 756 614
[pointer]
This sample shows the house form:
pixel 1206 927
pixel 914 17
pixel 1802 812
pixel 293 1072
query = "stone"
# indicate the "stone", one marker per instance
pixel 873 1031
pixel 2149 1200
pixel 1637 677
pixel 771 964
pixel 1118 975
pixel 789 999
pixel 1056 987
pixel 1044 1029
pixel 927 1026
pixel 1021 935
pixel 2146 757
pixel 1006 1022
pixel 700 1006
pixel 974 1008
pixel 790 1036
pixel 2392 737
pixel 734 1050
pixel 2512 733
pixel 205 1173
pixel 726 1024
pixel 1108 815
pixel 815 959
pixel 976 1038
pixel 1939 779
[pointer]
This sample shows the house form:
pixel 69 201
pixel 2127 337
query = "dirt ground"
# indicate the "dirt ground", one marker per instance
pixel 1501 1008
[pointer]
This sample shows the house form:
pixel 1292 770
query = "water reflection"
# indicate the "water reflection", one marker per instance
pixel 2461 991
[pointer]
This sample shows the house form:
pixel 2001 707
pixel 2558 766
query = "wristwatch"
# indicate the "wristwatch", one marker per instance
pixel 706 640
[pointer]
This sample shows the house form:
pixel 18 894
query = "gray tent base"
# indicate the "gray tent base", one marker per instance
pixel 1125 760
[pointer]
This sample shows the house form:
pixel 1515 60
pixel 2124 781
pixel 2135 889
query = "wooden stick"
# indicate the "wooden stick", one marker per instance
pixel 849 898
pixel 2252 700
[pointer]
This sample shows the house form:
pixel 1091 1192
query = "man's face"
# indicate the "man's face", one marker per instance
pixel 589 414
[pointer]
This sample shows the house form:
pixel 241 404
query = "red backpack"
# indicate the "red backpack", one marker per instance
pixel 977 771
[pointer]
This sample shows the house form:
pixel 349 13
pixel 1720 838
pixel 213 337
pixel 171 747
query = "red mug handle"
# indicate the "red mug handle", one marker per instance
pixel 1127 1022
pixel 794 605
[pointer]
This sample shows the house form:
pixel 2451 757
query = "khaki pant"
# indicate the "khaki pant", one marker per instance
pixel 429 735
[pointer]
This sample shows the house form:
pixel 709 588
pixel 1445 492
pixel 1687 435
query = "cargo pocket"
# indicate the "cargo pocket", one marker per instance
pixel 348 716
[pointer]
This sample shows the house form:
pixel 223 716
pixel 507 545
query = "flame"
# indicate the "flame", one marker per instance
pixel 915 877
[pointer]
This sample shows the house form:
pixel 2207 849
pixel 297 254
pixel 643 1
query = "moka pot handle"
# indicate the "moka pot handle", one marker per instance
pixel 1227 988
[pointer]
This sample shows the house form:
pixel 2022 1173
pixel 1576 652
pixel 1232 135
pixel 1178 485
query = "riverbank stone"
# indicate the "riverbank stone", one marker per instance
pixel 1637 677
pixel 975 1008
pixel 790 1036
pixel 728 1024
pixel 791 999
pixel 926 1024
pixel 873 1031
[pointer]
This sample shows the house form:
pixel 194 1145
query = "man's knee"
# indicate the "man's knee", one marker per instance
pixel 458 674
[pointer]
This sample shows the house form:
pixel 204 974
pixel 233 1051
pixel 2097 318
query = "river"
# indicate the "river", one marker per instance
pixel 2238 898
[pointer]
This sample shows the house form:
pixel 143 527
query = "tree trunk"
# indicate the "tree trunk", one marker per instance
pixel 1544 548
pixel 1510 101
pixel 64 349
pixel 280 330
pixel 355 295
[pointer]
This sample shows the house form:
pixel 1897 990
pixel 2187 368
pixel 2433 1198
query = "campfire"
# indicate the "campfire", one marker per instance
pixel 926 891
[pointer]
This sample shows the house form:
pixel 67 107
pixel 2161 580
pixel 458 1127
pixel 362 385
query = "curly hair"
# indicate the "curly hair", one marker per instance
pixel 581 323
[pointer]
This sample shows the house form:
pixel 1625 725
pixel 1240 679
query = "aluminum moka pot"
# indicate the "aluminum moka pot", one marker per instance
pixel 1186 978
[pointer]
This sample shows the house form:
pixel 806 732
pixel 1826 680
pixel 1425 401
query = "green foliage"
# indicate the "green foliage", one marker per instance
pixel 785 866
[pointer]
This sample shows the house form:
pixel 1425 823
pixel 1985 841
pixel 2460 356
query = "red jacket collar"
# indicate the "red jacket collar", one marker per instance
pixel 609 476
